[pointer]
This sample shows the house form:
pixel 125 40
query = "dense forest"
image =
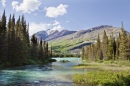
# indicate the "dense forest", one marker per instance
pixel 16 48
pixel 109 48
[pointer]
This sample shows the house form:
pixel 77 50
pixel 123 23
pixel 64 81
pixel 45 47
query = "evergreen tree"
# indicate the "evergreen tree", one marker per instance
pixel 123 46
pixel 114 49
pixel 3 23
pixel 34 48
pixel 104 44
pixel 128 57
pixel 51 52
pixel 46 50
pixel 110 52
pixel 99 51
pixel 117 46
pixel 41 54
pixel 86 57
pixel 3 39
pixel 83 53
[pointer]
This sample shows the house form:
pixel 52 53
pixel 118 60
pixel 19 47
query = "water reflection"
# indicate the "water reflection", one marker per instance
pixel 57 73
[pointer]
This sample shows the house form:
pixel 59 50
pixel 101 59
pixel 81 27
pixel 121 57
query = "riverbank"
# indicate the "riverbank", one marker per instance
pixel 29 62
pixel 108 73
pixel 106 65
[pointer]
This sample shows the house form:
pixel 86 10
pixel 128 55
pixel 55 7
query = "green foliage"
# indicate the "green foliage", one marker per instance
pixel 104 44
pixel 15 46
pixel 109 49
pixel 123 46
pixel 51 60
pixel 82 65
pixel 103 78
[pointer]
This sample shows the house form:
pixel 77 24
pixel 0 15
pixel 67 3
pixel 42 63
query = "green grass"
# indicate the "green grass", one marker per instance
pixel 106 65
pixel 70 41
pixel 107 73
pixel 103 78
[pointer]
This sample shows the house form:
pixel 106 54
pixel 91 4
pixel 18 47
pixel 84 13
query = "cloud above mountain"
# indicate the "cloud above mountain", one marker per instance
pixel 35 27
pixel 27 6
pixel 54 12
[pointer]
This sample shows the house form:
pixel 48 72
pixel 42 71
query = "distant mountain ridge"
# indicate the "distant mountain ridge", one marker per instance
pixel 52 34
pixel 66 40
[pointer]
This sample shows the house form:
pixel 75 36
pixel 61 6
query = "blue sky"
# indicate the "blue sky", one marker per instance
pixel 69 14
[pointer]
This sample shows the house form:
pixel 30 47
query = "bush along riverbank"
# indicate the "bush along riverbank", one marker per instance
pixel 107 73
pixel 103 78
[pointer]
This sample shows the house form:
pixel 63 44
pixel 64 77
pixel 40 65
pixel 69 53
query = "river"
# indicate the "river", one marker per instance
pixel 52 74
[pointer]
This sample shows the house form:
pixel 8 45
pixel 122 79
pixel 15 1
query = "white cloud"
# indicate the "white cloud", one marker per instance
pixel 15 4
pixel 26 6
pixel 34 27
pixel 54 12
pixel 56 23
pixel 58 27
pixel 3 2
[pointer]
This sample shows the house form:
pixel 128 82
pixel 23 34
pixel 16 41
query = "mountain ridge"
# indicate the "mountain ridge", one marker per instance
pixel 66 40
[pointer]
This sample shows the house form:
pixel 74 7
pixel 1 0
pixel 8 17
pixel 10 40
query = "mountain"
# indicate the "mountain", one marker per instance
pixel 66 40
pixel 52 34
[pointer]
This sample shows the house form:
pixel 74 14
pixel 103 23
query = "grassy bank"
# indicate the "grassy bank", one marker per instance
pixel 106 65
pixel 103 78
pixel 107 73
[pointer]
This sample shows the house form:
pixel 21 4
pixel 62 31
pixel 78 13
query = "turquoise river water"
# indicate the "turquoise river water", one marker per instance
pixel 52 74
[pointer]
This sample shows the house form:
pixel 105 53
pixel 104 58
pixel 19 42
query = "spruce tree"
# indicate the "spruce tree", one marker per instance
pixel 104 44
pixel 83 53
pixel 98 49
pixel 110 52
pixel 51 54
pixel 123 46
pixel 117 46
pixel 34 48
pixel 128 57
pixel 3 39
pixel 41 54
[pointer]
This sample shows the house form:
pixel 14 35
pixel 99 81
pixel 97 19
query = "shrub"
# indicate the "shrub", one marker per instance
pixel 103 78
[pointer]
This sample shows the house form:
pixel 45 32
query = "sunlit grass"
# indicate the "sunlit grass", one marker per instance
pixel 103 78
pixel 106 65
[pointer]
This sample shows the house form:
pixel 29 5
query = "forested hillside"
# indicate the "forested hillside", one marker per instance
pixel 15 46
pixel 109 48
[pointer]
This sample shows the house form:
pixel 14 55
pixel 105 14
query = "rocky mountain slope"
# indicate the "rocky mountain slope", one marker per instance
pixel 66 40
pixel 52 34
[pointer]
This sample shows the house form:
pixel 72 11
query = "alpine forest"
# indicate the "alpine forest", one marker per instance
pixel 109 48
pixel 16 47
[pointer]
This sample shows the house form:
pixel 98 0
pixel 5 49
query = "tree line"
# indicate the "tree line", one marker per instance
pixel 109 48
pixel 16 48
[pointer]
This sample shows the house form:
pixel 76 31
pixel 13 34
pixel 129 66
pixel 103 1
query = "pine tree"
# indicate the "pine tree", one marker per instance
pixel 83 53
pixel 51 52
pixel 128 57
pixel 3 39
pixel 3 23
pixel 46 50
pixel 110 52
pixel 123 46
pixel 114 49
pixel 86 53
pixel 41 54
pixel 34 48
pixel 117 46
pixel 99 51
pixel 104 44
